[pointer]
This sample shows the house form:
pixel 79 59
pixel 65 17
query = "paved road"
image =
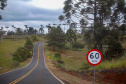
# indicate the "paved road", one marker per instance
pixel 34 73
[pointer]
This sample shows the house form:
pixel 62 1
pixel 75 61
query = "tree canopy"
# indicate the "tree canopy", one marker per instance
pixel 56 38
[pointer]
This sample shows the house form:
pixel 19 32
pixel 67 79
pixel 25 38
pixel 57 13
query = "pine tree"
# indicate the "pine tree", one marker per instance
pixel 28 44
pixel 70 36
pixel 56 38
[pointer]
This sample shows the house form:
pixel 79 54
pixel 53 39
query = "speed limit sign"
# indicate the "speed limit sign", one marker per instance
pixel 94 57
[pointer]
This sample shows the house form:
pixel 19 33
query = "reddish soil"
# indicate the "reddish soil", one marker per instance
pixel 113 76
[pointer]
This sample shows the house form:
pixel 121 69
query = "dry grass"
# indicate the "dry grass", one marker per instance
pixel 61 74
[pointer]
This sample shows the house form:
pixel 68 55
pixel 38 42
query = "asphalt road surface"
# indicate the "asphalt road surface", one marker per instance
pixel 34 73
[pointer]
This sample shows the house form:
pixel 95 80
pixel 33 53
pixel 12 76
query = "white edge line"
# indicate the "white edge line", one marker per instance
pixel 49 70
pixel 22 67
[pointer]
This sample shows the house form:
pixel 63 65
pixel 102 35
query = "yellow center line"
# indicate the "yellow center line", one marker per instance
pixel 22 77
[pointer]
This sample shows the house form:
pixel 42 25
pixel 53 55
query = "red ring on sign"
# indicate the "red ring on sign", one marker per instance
pixel 90 52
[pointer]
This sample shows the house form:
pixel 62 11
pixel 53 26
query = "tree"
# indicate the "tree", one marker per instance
pixel 122 29
pixel 21 54
pixel 49 27
pixel 28 44
pixel 10 33
pixel 70 36
pixel 54 25
pixel 91 15
pixel 19 31
pixel 3 5
pixel 64 27
pixel 1 33
pixel 35 31
pixel 31 31
pixel 13 30
pixel 7 29
pixel 26 26
pixel 41 30
pixel 56 38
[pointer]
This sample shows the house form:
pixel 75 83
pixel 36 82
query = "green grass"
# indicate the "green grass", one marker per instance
pixel 120 63
pixel 7 48
pixel 74 59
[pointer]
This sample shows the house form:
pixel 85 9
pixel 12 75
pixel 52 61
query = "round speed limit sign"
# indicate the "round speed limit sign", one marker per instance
pixel 94 57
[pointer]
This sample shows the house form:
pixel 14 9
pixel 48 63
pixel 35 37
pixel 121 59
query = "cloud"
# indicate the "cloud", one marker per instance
pixel 20 13
pixel 17 11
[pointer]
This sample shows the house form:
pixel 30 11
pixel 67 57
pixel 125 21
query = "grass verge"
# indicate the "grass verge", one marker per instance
pixel 7 49
pixel 59 73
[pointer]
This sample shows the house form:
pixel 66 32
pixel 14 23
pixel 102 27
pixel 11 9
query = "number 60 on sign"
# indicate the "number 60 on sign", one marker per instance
pixel 94 57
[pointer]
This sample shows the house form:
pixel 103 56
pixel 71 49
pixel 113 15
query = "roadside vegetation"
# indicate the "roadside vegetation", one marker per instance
pixel 75 60
pixel 73 53
pixel 13 53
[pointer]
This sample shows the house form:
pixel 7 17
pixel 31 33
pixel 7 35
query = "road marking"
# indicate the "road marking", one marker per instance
pixel 49 70
pixel 22 77
pixel 22 67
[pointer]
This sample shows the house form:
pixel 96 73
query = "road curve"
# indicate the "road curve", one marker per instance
pixel 34 73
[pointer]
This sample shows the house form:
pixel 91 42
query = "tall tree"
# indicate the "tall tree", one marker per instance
pixel 3 4
pixel 70 36
pixel 64 27
pixel 56 38
pixel 41 30
pixel 31 31
pixel 19 31
pixel 49 27
pixel 93 16
pixel 26 26
pixel 1 33
pixel 7 29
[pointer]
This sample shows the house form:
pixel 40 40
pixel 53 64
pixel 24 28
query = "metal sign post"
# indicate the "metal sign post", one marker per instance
pixel 94 57
pixel 94 74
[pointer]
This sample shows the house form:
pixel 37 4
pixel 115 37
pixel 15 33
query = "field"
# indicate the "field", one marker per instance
pixel 7 49
pixel 67 78
pixel 74 60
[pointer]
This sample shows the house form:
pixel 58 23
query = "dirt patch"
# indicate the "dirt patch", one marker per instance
pixel 113 76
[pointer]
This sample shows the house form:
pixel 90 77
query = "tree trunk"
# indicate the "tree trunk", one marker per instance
pixel 2 38
pixel 70 44
pixel 95 21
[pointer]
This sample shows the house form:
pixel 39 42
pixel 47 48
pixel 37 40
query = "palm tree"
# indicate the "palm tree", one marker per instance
pixel 7 29
pixel 1 28
pixel 54 24
pixel 41 29
pixel 61 18
pixel 49 27
pixel 13 30
pixel 1 33
pixel 26 26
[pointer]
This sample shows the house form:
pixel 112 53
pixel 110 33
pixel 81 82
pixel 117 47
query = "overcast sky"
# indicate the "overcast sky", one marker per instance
pixel 31 12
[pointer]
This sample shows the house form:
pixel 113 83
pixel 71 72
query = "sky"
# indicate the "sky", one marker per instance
pixel 32 13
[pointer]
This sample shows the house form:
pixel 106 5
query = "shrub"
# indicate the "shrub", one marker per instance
pixel 77 45
pixel 85 66
pixel 60 65
pixel 14 63
pixel 58 55
pixel 21 54
pixel 114 50
pixel 28 44
pixel 29 55
pixel 34 38
pixel 58 58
